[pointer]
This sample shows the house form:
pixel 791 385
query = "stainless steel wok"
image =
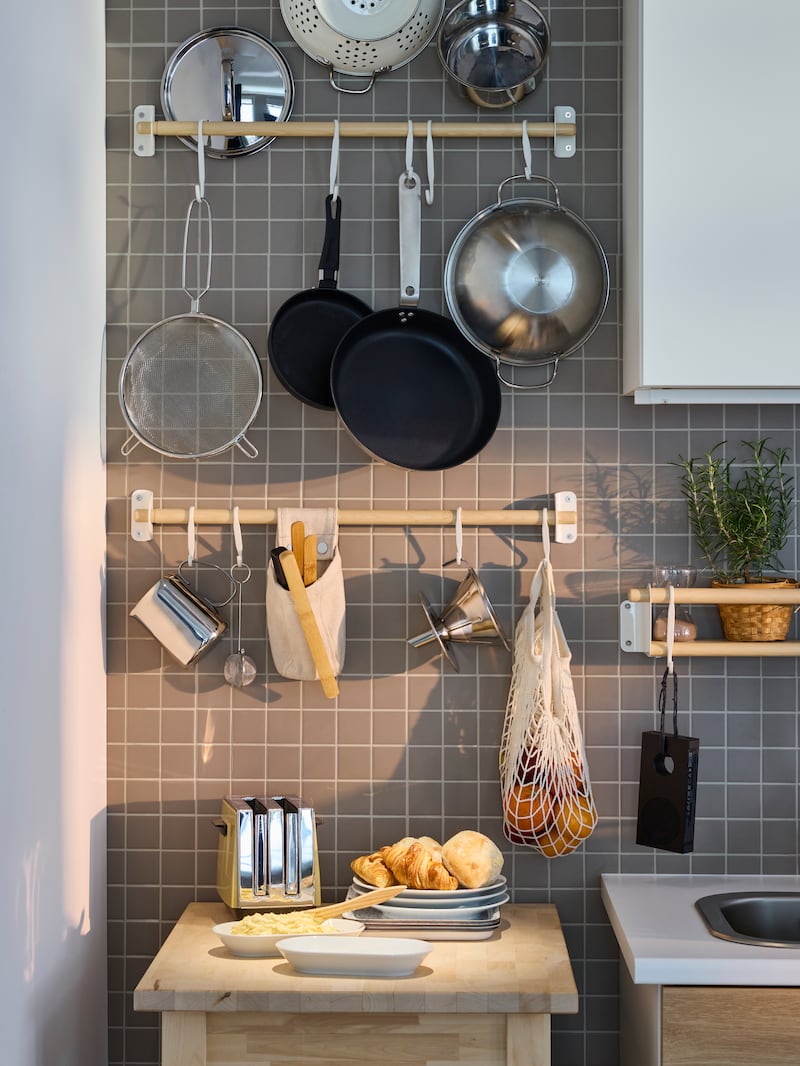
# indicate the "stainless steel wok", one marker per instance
pixel 526 282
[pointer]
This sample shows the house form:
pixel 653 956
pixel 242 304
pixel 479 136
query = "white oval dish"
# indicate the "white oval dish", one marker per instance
pixel 250 945
pixel 365 957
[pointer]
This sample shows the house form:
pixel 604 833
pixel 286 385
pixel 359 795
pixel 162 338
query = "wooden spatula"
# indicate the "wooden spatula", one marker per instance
pixel 369 899
pixel 310 559
pixel 308 621
pixel 298 532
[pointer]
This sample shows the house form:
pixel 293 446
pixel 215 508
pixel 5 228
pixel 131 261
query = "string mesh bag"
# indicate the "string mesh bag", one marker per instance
pixel 544 777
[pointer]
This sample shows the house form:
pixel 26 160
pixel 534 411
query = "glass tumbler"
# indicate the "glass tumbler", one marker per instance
pixel 680 577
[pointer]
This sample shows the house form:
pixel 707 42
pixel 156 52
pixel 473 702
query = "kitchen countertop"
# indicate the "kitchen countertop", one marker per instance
pixel 664 940
pixel 523 968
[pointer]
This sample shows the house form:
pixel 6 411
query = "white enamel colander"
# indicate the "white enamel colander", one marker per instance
pixel 362 38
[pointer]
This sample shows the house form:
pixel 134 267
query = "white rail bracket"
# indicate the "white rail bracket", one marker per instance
pixel 564 147
pixel 566 524
pixel 142 500
pixel 144 144
pixel 635 626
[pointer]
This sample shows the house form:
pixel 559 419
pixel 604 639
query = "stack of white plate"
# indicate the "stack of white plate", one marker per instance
pixel 463 914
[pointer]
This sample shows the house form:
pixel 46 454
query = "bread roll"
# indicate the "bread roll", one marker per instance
pixel 472 858
pixel 433 846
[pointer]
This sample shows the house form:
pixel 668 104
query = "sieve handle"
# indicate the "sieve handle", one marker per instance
pixel 203 209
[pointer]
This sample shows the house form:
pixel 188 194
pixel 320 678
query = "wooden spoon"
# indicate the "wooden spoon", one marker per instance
pixel 369 899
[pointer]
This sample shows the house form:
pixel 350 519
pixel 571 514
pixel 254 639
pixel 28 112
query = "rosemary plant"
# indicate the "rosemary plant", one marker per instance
pixel 741 517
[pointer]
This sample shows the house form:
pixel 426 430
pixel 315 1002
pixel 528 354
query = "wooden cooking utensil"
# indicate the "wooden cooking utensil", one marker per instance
pixel 310 559
pixel 368 899
pixel 298 532
pixel 311 631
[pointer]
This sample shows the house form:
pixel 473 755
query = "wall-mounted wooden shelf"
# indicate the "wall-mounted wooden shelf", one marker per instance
pixel 636 623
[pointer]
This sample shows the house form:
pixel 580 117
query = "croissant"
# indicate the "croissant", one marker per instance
pixel 373 870
pixel 413 865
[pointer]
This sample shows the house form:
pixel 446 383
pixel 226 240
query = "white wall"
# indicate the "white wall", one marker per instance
pixel 52 485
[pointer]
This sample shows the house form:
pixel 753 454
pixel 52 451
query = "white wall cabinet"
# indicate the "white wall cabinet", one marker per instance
pixel 711 160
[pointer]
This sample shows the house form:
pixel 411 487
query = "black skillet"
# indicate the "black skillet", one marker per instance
pixel 408 386
pixel 308 326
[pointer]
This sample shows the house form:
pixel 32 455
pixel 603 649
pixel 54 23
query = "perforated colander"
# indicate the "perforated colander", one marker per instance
pixel 362 38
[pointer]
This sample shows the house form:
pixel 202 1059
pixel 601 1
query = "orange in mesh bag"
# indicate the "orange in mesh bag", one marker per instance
pixel 544 778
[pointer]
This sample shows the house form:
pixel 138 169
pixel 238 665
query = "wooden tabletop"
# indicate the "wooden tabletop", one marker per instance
pixel 523 969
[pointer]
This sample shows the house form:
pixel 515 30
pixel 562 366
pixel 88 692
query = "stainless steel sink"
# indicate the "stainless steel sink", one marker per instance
pixel 766 919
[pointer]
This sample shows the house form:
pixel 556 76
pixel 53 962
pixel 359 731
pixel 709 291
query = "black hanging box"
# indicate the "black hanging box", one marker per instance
pixel 667 784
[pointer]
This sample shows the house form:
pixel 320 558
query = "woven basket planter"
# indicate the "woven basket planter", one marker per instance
pixel 756 621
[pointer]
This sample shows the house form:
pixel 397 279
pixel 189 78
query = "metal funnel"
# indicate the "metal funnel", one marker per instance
pixel 468 618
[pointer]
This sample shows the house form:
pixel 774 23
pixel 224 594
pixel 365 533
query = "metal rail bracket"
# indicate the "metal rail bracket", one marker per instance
pixel 635 626
pixel 144 144
pixel 564 147
pixel 142 500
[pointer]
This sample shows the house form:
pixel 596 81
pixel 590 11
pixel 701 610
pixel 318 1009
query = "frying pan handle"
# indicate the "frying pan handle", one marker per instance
pixel 541 385
pixel 329 260
pixel 352 92
pixel 410 216
pixel 533 177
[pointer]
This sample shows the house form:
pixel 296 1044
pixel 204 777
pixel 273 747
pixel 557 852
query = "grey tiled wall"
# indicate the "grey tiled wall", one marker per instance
pixel 408 745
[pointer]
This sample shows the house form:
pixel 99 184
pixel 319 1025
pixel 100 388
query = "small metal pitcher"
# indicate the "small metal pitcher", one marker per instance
pixel 185 624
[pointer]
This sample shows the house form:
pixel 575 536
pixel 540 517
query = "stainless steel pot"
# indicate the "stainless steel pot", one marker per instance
pixel 526 281
pixel 494 49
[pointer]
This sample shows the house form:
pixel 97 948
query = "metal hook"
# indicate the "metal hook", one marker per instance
pixel 429 159
pixel 334 171
pixel 200 187
pixel 459 535
pixel 237 537
pixel 526 149
pixel 410 151
pixel 545 533
pixel 191 534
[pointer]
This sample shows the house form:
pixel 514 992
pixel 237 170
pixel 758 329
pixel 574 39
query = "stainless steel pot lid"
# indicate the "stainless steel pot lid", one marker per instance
pixel 223 74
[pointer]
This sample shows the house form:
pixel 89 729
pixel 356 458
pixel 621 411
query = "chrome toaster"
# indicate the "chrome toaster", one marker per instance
pixel 267 857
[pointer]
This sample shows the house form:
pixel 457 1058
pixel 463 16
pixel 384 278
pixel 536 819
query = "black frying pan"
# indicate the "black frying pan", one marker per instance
pixel 406 383
pixel 308 326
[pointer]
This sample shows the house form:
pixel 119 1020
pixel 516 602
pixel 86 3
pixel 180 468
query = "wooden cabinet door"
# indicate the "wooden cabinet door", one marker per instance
pixel 713 1026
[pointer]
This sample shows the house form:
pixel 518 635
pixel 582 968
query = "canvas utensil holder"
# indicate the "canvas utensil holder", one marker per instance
pixel 288 644
pixel 668 772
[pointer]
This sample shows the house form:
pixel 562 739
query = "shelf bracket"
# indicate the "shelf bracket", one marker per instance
pixel 635 627
pixel 142 502
pixel 144 144
pixel 564 147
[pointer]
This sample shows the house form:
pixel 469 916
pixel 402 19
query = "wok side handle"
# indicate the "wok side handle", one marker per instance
pixel 540 385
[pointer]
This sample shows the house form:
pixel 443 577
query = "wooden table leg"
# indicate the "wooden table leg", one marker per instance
pixel 527 1040
pixel 183 1038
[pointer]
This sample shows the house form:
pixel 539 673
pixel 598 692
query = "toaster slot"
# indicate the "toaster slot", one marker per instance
pixel 260 846
pixel 274 848
pixel 291 846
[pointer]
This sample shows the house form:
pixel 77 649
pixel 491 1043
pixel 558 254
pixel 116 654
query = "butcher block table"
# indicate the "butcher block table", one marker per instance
pixel 486 1002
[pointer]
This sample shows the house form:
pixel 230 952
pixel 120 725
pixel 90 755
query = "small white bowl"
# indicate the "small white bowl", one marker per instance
pixel 254 945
